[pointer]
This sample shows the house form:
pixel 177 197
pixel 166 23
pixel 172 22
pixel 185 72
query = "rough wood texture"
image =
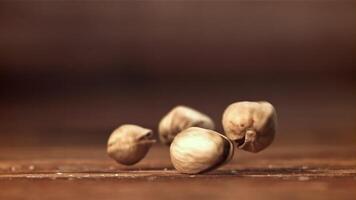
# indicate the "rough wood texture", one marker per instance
pixel 293 172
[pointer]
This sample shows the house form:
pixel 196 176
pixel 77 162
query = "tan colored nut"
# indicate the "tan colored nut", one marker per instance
pixel 128 144
pixel 197 150
pixel 252 125
pixel 180 118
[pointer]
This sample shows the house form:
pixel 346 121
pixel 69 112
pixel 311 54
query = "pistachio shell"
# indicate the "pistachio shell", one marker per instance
pixel 252 125
pixel 180 118
pixel 128 144
pixel 197 150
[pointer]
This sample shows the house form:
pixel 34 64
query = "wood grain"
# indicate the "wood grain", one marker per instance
pixel 295 172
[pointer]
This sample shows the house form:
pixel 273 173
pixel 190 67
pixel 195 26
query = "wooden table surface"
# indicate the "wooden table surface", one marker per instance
pixel 281 172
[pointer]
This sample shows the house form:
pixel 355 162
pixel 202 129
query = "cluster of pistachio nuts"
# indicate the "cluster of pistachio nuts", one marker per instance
pixel 194 145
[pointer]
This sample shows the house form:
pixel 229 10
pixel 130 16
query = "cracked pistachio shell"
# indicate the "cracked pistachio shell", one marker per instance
pixel 252 125
pixel 180 118
pixel 128 144
pixel 197 150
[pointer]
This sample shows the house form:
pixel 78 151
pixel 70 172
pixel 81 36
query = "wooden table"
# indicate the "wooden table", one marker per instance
pixel 281 172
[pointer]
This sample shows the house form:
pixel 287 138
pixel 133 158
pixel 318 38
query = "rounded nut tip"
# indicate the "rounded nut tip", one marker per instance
pixel 180 118
pixel 128 144
pixel 251 125
pixel 196 150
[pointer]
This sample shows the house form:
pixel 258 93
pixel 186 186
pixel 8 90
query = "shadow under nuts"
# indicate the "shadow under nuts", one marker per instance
pixel 252 125
pixel 180 118
pixel 128 144
pixel 197 150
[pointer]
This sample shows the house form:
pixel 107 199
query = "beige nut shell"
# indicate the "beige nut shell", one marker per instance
pixel 129 143
pixel 197 150
pixel 180 118
pixel 252 125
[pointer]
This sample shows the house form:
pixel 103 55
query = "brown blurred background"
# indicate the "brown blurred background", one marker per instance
pixel 72 71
